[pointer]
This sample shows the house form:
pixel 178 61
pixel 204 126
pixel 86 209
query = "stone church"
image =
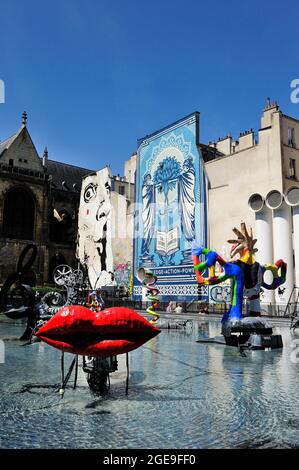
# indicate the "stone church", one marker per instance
pixel 39 201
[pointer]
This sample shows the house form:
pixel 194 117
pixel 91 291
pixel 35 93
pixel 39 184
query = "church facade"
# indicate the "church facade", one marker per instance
pixel 39 200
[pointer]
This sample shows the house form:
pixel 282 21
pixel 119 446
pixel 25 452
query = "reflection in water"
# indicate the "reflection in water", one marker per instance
pixel 182 394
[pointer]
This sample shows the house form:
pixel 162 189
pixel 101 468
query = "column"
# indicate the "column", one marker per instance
pixel 264 235
pixel 282 242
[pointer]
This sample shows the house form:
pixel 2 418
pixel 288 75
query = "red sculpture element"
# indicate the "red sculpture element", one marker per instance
pixel 78 330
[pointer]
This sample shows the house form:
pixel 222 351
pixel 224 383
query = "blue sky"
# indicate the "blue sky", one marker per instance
pixel 96 75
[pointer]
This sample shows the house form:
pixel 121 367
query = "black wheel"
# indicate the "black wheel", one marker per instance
pixel 98 376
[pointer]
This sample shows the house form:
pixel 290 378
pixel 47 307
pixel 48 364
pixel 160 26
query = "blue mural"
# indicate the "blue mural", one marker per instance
pixel 170 208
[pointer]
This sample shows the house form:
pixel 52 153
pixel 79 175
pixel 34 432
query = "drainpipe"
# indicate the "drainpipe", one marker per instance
pixel 292 199
pixel 282 241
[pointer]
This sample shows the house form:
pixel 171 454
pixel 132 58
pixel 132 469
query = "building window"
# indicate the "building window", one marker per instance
pixel 291 135
pixel 18 215
pixel 292 168
pixel 121 190
pixel 20 160
pixel 10 162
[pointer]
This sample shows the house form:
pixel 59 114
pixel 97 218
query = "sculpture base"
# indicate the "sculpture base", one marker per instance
pixel 246 326
pixel 249 332
pixel 254 342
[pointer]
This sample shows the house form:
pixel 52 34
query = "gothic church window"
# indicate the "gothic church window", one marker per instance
pixel 19 215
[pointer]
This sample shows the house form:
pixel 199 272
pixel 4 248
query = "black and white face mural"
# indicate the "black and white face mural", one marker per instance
pixel 94 249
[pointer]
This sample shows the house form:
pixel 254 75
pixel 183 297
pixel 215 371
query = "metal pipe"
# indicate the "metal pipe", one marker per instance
pixel 292 199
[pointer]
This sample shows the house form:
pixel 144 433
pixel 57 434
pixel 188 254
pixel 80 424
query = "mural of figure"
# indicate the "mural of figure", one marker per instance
pixel 170 174
pixel 94 249
pixel 148 213
pixel 186 186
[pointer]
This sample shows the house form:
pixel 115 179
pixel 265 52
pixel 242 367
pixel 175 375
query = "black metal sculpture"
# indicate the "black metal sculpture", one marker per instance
pixel 17 300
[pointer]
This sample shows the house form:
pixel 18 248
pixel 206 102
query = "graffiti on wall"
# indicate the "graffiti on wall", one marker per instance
pixel 122 274
pixel 94 249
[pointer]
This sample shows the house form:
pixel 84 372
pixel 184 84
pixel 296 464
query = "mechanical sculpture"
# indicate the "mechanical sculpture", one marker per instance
pixel 246 276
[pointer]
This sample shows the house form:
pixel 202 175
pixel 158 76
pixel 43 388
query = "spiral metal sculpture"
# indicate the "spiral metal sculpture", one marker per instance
pixel 148 280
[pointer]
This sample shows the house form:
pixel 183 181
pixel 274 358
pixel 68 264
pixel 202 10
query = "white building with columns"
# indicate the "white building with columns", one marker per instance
pixel 255 179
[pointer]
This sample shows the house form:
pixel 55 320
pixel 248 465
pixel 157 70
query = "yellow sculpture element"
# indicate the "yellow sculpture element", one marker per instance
pixel 243 245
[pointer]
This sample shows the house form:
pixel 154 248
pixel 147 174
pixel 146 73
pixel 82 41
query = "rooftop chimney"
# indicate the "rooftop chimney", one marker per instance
pixel 246 140
pixel 224 145
pixel 270 108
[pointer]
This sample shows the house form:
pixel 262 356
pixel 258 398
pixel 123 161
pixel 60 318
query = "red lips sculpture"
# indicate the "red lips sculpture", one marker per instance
pixel 110 332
